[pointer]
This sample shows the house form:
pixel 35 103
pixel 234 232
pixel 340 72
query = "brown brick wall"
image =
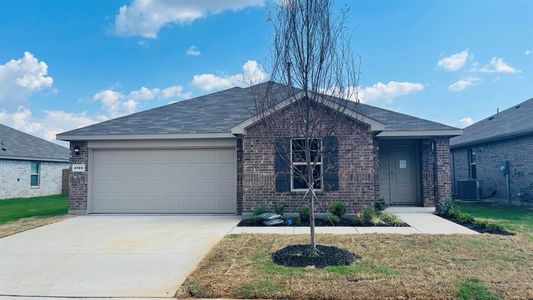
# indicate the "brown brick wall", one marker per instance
pixel 77 194
pixel 436 186
pixel 488 157
pixel 357 164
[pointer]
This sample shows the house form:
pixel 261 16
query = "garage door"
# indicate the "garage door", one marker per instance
pixel 164 181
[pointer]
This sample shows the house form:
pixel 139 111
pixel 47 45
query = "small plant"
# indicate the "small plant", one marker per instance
pixel 260 210
pixel 391 219
pixel 463 217
pixel 367 215
pixel 376 220
pixel 446 208
pixel 333 219
pixel 304 214
pixel 338 209
pixel 380 205
pixel 278 208
pixel 474 288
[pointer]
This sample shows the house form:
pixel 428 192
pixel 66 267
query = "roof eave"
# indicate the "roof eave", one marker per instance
pixel 419 133
pixel 491 139
pixel 27 158
pixel 161 136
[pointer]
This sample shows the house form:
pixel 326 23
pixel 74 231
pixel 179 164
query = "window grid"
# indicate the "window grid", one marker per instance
pixel 318 164
pixel 35 174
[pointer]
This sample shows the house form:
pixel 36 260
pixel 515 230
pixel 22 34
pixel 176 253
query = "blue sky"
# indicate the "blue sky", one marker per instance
pixel 66 64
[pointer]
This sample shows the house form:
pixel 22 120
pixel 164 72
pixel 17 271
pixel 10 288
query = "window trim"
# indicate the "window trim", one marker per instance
pixel 38 174
pixel 472 164
pixel 321 163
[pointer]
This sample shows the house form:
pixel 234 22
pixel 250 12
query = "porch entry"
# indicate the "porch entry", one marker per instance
pixel 399 172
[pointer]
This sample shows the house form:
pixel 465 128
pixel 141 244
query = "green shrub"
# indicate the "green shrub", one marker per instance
pixel 278 208
pixel 376 220
pixel 380 205
pixel 356 221
pixel 463 217
pixel 333 219
pixel 367 215
pixel 304 214
pixel 260 210
pixel 338 209
pixel 490 226
pixel 391 219
pixel 446 208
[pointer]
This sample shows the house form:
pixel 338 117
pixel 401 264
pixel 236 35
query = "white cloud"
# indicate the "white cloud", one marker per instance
pixel 464 122
pixel 252 73
pixel 528 52
pixel 497 65
pixel 115 103
pixel 146 17
pixel 19 78
pixel 193 51
pixel 386 93
pixel 454 62
pixel 464 83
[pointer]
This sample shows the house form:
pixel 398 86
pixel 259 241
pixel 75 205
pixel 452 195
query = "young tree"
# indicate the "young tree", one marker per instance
pixel 313 60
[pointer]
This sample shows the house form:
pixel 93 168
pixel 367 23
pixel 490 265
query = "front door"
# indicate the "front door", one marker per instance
pixel 403 167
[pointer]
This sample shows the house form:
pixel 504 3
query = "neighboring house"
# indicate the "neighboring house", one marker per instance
pixel 209 155
pixel 505 136
pixel 29 166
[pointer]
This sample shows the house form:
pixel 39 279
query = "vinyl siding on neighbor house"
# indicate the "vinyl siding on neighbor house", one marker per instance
pixel 15 178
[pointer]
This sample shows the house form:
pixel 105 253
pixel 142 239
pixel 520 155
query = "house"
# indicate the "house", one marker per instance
pixel 29 166
pixel 503 139
pixel 209 155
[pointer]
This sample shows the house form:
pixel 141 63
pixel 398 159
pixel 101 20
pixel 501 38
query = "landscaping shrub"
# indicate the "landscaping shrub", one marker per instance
pixel 260 210
pixel 446 208
pixel 463 217
pixel 376 220
pixel 304 214
pixel 367 215
pixel 338 209
pixel 391 219
pixel 380 205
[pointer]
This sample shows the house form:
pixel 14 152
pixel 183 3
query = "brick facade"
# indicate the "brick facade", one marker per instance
pixel 357 168
pixel 436 158
pixel 488 157
pixel 77 194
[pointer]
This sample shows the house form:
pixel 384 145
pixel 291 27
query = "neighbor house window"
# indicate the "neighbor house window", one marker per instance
pixel 472 172
pixel 299 170
pixel 35 171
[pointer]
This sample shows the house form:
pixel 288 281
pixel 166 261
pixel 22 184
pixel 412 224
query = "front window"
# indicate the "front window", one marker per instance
pixel 35 171
pixel 300 171
pixel 472 171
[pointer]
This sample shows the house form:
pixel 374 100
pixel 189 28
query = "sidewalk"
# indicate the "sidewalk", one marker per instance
pixel 421 219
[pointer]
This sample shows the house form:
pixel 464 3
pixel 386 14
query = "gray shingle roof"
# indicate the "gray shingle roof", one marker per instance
pixel 20 145
pixel 219 112
pixel 510 122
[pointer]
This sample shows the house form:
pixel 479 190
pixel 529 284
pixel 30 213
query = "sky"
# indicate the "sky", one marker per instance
pixel 67 64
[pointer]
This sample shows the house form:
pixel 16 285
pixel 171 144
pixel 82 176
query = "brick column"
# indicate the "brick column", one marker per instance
pixel 436 172
pixel 444 183
pixel 240 170
pixel 77 186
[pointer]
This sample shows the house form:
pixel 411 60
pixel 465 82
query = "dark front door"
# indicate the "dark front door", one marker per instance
pixel 403 175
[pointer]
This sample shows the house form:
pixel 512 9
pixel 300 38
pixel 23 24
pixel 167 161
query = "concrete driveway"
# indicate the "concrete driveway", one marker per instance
pixel 108 256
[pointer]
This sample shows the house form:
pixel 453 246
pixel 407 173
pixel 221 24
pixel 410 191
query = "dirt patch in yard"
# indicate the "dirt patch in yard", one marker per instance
pixel 390 266
pixel 11 228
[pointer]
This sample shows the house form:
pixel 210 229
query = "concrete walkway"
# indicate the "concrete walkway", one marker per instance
pixel 108 256
pixel 423 220
pixel 420 219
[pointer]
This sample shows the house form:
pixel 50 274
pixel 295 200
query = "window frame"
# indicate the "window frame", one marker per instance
pixel 472 164
pixel 318 163
pixel 38 173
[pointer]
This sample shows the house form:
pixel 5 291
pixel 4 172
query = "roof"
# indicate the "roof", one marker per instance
pixel 22 146
pixel 219 112
pixel 513 121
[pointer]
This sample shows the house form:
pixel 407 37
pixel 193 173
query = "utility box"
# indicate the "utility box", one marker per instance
pixel 469 189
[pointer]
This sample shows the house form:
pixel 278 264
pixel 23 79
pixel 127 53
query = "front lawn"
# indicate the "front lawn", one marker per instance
pixel 19 208
pixel 391 266
pixel 514 218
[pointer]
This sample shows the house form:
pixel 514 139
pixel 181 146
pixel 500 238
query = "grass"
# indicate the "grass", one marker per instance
pixel 474 289
pixel 19 208
pixel 391 266
pixel 515 218
pixel 479 267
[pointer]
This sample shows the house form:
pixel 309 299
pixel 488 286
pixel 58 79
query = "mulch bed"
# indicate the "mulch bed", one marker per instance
pixel 476 227
pixel 319 222
pixel 302 256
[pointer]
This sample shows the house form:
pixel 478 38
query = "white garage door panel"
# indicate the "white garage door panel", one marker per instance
pixel 164 181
